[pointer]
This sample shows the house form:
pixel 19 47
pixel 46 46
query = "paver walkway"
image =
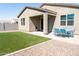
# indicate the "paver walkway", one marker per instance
pixel 50 48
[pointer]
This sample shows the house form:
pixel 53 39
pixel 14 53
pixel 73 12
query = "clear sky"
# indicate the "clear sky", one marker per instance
pixel 11 10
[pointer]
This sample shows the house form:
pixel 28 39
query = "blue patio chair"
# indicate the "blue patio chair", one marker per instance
pixel 57 32
pixel 63 32
pixel 70 33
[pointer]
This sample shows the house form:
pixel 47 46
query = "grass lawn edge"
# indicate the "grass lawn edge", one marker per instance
pixel 25 48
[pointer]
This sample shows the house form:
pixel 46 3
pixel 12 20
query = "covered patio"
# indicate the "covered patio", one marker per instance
pixel 43 23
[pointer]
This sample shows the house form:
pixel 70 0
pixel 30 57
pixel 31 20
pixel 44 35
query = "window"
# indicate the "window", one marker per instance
pixel 63 17
pixel 22 21
pixel 70 22
pixel 70 19
pixel 63 23
pixel 63 20
pixel 70 16
pixel 67 20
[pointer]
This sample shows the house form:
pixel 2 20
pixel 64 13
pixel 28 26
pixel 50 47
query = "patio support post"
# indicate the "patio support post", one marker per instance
pixel 45 24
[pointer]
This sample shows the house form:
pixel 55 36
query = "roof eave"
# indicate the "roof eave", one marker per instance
pixel 55 4
pixel 28 8
pixel 38 9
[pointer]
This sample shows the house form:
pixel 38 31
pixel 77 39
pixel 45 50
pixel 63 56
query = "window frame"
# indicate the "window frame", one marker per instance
pixel 22 21
pixel 62 20
pixel 66 20
pixel 70 20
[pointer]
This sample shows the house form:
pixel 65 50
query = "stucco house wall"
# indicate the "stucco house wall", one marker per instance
pixel 64 11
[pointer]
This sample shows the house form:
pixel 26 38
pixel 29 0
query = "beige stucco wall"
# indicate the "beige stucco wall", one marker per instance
pixel 27 14
pixel 63 11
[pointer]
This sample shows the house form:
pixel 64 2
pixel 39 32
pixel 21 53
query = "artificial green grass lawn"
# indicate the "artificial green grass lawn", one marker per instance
pixel 13 41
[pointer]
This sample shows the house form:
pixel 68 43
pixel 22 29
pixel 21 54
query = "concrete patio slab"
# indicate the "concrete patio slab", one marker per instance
pixel 73 40
pixel 50 48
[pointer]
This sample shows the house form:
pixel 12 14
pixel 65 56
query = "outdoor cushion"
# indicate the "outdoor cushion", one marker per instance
pixel 70 33
pixel 57 32
pixel 63 32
